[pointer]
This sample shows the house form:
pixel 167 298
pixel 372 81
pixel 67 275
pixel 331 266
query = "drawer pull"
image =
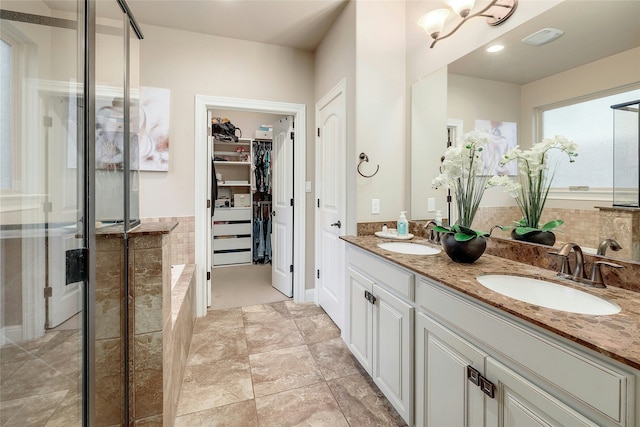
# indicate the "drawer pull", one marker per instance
pixel 487 387
pixel 473 375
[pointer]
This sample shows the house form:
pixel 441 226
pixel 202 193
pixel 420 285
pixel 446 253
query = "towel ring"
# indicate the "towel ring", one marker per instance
pixel 365 158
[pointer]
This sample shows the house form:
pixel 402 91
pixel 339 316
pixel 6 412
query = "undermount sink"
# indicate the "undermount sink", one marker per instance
pixel 547 294
pixel 409 248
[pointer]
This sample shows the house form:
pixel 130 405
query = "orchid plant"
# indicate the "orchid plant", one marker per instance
pixel 534 181
pixel 461 171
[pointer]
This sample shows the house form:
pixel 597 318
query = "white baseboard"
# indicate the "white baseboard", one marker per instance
pixel 310 295
pixel 9 334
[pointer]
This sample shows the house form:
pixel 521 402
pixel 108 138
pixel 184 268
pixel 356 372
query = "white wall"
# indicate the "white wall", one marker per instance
pixel 381 96
pixel 470 99
pixel 336 60
pixel 191 64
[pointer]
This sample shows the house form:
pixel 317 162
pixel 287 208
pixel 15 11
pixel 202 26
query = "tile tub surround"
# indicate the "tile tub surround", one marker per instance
pixel 616 336
pixel 177 336
pixel 182 237
pixel 150 312
pixel 622 224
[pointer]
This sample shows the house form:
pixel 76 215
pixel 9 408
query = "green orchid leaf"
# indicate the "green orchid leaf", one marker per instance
pixel 462 237
pixel 552 224
pixel 441 229
pixel 465 230
pixel 524 230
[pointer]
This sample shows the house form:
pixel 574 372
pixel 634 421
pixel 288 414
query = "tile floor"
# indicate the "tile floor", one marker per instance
pixel 278 364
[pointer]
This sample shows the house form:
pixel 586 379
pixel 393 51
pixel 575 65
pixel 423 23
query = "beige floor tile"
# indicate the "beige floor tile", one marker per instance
pixel 303 310
pixel 219 319
pixel 334 359
pixel 308 406
pixel 241 414
pixel 317 328
pixel 217 345
pixel 261 313
pixel 273 335
pixel 221 383
pixel 35 378
pixel 362 403
pixel 31 410
pixel 284 369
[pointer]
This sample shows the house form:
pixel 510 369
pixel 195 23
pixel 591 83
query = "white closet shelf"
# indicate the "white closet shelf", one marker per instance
pixel 234 185
pixel 221 162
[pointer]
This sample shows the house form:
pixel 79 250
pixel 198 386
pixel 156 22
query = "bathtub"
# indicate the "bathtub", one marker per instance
pixel 176 271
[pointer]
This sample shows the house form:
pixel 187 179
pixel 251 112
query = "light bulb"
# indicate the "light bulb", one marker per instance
pixel 433 22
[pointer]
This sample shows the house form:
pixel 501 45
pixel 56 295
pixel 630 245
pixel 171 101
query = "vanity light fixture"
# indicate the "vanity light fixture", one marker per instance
pixel 496 12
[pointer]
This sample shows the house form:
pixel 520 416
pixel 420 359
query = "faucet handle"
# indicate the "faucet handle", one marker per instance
pixel 565 267
pixel 596 274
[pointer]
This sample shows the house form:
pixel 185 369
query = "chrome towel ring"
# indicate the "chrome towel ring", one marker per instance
pixel 365 158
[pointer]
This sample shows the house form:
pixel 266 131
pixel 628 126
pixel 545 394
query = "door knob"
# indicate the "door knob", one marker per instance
pixel 336 224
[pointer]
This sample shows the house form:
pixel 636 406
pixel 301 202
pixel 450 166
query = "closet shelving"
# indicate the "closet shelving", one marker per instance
pixel 232 218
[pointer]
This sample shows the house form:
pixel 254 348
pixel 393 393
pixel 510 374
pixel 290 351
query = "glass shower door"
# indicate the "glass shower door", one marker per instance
pixel 42 300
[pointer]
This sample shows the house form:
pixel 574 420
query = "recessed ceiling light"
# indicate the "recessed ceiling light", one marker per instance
pixel 495 48
pixel 544 36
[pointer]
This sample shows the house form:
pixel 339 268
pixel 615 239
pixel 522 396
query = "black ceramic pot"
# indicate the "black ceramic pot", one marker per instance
pixel 537 236
pixel 464 252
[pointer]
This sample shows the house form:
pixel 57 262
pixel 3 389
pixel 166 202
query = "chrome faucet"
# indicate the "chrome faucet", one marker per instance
pixel 434 236
pixel 608 243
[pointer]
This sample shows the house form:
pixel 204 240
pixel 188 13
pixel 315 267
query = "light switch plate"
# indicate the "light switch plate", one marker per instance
pixel 307 186
pixel 375 206
pixel 431 204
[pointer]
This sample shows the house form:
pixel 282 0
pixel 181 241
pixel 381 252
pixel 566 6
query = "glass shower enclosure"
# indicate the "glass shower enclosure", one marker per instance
pixel 67 92
pixel 626 154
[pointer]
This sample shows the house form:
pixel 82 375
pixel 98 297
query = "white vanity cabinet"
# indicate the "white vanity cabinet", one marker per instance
pixel 476 366
pixel 380 326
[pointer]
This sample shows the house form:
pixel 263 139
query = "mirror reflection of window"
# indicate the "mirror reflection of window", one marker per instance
pixel 588 122
pixel 6 146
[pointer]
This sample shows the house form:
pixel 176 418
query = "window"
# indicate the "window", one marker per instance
pixel 589 123
pixel 6 125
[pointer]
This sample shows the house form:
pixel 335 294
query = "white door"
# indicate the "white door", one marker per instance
pixel 210 209
pixel 330 198
pixel 60 135
pixel 282 204
pixel 66 299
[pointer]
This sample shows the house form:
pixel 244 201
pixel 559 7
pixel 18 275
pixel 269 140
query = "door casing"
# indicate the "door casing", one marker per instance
pixel 203 214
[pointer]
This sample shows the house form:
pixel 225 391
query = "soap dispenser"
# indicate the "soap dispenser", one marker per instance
pixel 439 218
pixel 403 224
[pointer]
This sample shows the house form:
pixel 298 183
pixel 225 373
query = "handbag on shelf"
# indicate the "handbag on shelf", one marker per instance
pixel 223 130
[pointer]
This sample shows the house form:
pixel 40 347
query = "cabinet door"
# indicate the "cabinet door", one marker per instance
pixel 393 350
pixel 519 403
pixel 360 312
pixel 444 395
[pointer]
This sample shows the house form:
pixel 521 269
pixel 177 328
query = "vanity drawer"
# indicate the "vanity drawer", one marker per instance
pixel 542 358
pixel 383 273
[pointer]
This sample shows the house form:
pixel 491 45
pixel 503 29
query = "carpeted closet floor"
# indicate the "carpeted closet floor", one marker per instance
pixel 241 286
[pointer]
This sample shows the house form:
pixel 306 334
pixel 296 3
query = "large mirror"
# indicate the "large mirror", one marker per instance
pixel 598 55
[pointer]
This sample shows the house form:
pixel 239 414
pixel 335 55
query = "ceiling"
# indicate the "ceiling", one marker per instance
pixel 593 30
pixel 293 23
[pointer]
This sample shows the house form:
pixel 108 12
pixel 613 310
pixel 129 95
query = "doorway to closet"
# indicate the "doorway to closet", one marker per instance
pixel 292 230
pixel 252 211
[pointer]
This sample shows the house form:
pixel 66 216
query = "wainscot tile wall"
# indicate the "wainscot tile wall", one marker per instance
pixel 183 244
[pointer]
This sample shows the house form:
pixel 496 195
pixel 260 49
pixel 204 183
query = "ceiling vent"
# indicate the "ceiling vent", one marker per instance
pixel 544 36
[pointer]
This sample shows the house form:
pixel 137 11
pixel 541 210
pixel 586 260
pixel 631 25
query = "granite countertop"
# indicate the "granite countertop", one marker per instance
pixel 616 336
